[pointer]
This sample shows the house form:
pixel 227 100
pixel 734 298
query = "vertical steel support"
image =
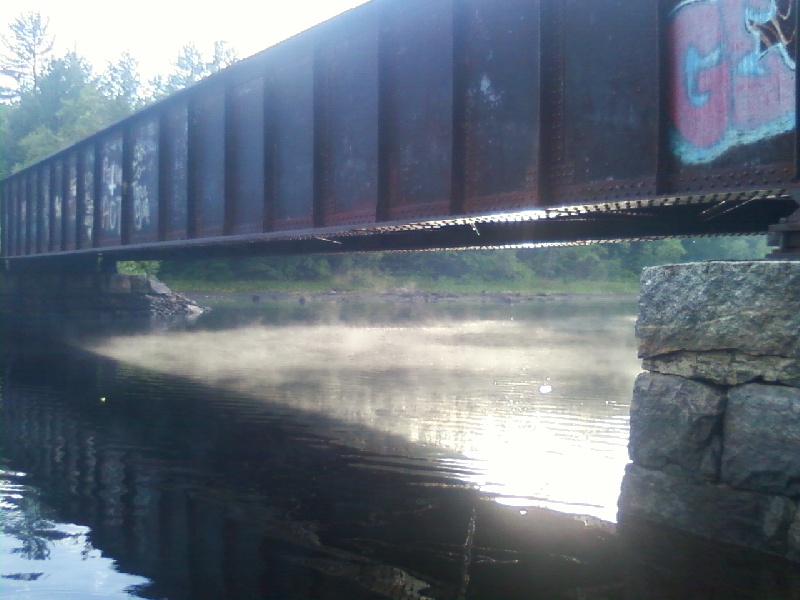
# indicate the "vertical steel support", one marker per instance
pixel 663 152
pixel 786 233
pixel 318 152
pixel 97 196
pixel 269 154
pixel 3 223
pixel 541 179
pixel 228 185
pixel 7 211
pixel 458 161
pixel 796 17
pixel 46 176
pixel 126 210
pixel 50 246
pixel 80 196
pixel 384 168
pixel 191 167
pixel 40 206
pixel 551 140
pixel 164 193
pixel 43 237
pixel 64 201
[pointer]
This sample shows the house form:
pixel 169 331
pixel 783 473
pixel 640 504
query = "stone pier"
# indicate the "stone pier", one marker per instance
pixel 74 303
pixel 715 418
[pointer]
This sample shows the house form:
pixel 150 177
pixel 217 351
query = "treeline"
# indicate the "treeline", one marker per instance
pixel 50 102
pixel 597 262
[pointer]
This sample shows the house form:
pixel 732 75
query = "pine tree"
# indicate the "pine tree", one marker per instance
pixel 120 83
pixel 191 67
pixel 27 51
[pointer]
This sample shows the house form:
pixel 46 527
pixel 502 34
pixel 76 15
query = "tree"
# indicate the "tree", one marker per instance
pixel 66 106
pixel 28 50
pixel 729 248
pixel 149 268
pixel 34 123
pixel 191 67
pixel 38 145
pixel 222 57
pixel 121 84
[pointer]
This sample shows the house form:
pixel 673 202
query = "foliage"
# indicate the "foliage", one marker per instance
pixel 599 267
pixel 66 106
pixel 139 267
pixel 121 85
pixel 731 248
pixel 27 50
pixel 57 101
pixel 190 67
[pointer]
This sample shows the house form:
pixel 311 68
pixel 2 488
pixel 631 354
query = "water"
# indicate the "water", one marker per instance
pixel 343 451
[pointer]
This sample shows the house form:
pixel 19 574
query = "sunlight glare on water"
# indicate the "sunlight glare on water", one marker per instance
pixel 535 413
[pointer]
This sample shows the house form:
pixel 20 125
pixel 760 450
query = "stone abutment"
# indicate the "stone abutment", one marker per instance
pixel 69 304
pixel 715 418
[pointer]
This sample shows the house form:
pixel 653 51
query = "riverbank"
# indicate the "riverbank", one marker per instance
pixel 398 297
pixel 378 284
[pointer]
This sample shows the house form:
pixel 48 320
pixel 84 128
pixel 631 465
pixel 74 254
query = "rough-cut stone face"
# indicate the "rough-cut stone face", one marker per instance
pixel 715 511
pixel 762 439
pixel 119 284
pixel 158 288
pixel 752 306
pixel 715 425
pixel 794 538
pixel 675 425
pixel 727 367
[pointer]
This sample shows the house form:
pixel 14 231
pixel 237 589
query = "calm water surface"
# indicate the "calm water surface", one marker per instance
pixel 342 451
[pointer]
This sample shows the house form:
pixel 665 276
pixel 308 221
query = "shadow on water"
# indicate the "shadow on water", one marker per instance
pixel 184 480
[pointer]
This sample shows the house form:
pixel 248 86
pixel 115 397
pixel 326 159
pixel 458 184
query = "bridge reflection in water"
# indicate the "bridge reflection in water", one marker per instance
pixel 343 481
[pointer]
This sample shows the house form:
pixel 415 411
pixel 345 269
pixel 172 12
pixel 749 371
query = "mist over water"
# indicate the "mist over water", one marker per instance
pixel 534 413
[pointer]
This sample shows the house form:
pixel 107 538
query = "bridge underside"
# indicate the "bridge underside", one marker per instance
pixel 574 225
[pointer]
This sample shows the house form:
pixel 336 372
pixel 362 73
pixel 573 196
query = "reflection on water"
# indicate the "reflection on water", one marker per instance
pixel 323 459
pixel 31 534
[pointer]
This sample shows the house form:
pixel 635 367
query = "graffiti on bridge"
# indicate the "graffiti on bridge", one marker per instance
pixel 112 196
pixel 733 74
pixel 141 195
pixel 145 175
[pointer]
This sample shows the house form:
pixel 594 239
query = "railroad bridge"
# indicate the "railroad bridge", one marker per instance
pixel 417 124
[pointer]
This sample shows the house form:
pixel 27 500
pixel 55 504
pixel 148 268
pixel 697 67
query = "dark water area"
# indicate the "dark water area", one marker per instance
pixel 343 451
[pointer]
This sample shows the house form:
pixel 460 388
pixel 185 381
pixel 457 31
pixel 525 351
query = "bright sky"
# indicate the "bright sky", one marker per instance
pixel 155 30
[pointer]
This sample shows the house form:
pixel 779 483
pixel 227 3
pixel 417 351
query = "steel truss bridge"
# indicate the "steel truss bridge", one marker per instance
pixel 423 124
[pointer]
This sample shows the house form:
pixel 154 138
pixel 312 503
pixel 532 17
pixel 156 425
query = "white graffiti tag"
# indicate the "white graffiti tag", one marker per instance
pixel 141 194
pixel 112 198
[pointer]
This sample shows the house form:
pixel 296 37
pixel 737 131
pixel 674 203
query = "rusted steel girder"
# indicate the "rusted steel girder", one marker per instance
pixel 424 114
